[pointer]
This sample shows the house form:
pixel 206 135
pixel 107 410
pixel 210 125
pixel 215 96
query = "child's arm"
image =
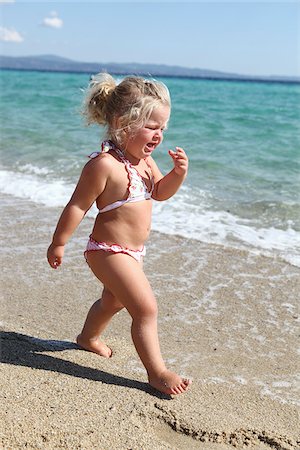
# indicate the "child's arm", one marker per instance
pixel 166 186
pixel 90 185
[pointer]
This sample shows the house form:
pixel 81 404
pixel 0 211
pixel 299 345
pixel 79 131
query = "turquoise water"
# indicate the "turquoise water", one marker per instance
pixel 242 138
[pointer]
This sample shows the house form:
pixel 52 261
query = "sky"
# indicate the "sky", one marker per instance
pixel 244 37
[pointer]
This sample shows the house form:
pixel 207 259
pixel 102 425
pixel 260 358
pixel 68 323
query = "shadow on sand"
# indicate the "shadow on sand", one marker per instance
pixel 22 350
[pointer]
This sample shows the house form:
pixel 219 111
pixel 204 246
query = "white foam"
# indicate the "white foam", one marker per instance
pixel 221 227
pixel 35 188
pixel 239 379
pixel 188 214
pixel 31 169
pixel 282 384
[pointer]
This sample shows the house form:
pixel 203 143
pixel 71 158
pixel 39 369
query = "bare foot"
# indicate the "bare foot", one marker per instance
pixel 95 346
pixel 169 383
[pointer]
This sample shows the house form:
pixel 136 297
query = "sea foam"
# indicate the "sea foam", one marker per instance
pixel 37 189
pixel 180 215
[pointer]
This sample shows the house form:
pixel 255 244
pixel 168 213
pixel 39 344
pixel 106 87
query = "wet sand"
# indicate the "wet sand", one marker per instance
pixel 228 319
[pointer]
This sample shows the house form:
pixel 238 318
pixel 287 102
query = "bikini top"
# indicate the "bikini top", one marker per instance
pixel 137 188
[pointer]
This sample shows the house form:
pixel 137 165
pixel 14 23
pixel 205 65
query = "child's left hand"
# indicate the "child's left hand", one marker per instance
pixel 180 161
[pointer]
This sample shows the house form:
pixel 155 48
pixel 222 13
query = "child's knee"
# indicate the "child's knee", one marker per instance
pixel 146 309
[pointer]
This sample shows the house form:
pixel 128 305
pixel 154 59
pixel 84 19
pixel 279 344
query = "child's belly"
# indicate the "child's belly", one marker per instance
pixel 128 226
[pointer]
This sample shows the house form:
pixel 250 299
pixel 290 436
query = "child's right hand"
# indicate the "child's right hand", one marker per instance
pixel 55 255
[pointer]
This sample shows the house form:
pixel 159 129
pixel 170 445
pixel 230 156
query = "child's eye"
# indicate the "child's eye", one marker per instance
pixel 152 127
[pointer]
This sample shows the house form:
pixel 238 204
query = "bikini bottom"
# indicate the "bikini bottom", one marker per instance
pixel 94 246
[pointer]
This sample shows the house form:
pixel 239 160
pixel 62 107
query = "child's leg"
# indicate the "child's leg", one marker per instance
pixel 97 320
pixel 124 277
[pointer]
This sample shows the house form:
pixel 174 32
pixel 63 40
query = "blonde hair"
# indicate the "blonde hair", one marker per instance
pixel 124 107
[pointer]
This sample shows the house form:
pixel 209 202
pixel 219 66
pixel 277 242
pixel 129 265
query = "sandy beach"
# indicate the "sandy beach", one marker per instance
pixel 228 319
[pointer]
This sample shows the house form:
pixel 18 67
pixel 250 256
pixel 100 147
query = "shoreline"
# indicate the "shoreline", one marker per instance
pixel 227 318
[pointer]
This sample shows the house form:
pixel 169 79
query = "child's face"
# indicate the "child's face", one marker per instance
pixel 145 140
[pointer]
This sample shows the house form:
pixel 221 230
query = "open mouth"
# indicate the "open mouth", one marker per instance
pixel 151 146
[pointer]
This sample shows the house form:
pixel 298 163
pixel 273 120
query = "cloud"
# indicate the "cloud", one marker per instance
pixel 53 21
pixel 10 35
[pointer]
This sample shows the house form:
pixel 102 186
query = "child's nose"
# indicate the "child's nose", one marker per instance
pixel 158 134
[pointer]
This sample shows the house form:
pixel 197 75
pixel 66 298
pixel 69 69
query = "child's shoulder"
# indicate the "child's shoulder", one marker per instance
pixel 151 162
pixel 154 169
pixel 100 163
pixel 101 159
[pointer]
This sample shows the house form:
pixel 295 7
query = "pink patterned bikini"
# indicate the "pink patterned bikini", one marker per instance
pixel 137 191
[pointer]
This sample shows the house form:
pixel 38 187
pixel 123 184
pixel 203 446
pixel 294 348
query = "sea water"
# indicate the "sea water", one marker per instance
pixel 242 139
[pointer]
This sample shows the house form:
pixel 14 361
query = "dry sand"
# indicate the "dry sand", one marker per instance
pixel 228 319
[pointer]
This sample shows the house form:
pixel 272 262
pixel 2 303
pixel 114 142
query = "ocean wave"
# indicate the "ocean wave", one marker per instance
pixel 224 228
pixel 31 169
pixel 35 188
pixel 187 214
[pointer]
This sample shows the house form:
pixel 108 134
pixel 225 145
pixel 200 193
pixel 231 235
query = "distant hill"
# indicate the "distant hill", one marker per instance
pixel 53 63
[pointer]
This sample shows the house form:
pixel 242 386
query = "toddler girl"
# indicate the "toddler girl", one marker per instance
pixel 122 179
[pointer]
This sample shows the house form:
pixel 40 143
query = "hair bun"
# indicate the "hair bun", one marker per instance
pixel 103 83
pixel 100 88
